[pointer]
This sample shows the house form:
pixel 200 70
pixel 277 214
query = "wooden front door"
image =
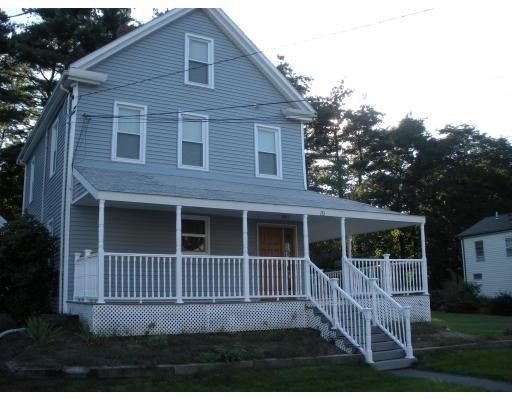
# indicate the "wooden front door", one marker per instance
pixel 276 241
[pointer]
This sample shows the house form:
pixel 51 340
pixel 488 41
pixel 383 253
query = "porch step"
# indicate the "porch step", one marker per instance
pixel 379 337
pixel 386 355
pixel 387 365
pixel 388 345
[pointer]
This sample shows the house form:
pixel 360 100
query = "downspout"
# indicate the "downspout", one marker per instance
pixel 69 192
pixel 463 259
pixel 43 191
pixel 63 191
pixel 24 188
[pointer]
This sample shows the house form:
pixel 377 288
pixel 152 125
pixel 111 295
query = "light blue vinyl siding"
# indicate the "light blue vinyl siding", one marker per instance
pixel 151 231
pixel 231 143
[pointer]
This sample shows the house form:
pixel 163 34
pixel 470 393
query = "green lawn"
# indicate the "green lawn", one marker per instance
pixel 483 363
pixel 344 377
pixel 481 325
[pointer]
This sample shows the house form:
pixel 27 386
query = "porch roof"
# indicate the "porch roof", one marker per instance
pixel 143 183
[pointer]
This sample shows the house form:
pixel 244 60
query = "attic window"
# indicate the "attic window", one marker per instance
pixel 198 60
pixel 508 246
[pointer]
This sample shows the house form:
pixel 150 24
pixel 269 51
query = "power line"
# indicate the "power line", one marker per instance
pixel 365 26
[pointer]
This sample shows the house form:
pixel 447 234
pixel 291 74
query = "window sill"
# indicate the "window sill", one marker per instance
pixel 128 160
pixel 200 85
pixel 269 176
pixel 190 167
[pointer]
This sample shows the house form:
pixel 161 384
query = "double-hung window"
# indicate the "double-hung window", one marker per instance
pixel 129 135
pixel 508 246
pixel 54 134
pixel 479 250
pixel 267 151
pixel 198 60
pixel 31 179
pixel 193 141
pixel 195 234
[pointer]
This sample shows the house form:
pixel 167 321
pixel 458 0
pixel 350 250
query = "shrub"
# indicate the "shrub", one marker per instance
pixel 89 336
pixel 459 298
pixel 501 304
pixel 226 354
pixel 41 331
pixel 27 275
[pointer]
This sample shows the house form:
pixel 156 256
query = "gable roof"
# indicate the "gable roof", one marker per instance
pixel 494 224
pixel 231 30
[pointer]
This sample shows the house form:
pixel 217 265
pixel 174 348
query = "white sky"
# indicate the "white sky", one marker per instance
pixel 450 65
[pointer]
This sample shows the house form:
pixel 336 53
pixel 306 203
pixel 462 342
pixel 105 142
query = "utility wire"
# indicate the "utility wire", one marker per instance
pixel 365 26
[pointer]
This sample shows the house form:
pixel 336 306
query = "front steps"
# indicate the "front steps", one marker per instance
pixel 387 354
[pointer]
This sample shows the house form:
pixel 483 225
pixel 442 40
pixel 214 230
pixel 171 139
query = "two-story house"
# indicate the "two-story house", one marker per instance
pixel 487 254
pixel 170 164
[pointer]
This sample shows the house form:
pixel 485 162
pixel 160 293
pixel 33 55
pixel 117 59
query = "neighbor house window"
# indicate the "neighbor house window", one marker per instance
pixel 54 134
pixel 267 151
pixel 193 141
pixel 477 277
pixel 195 234
pixel 129 136
pixel 31 180
pixel 479 250
pixel 508 246
pixel 49 226
pixel 198 60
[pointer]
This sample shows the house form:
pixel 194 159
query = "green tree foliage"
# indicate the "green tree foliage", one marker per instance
pixel 55 37
pixel 11 181
pixel 27 273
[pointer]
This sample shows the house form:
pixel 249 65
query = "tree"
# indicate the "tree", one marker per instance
pixel 302 83
pixel 27 273
pixel 55 37
pixel 11 181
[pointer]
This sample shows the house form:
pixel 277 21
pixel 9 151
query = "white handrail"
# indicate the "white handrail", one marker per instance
pixel 393 318
pixel 344 312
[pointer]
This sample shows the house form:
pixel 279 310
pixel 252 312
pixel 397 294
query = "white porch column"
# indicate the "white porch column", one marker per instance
pixel 101 252
pixel 179 269
pixel 424 274
pixel 388 281
pixel 246 256
pixel 305 236
pixel 344 270
pixel 349 246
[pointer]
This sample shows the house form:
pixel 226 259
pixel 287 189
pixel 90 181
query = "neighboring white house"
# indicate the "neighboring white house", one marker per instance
pixel 2 221
pixel 487 254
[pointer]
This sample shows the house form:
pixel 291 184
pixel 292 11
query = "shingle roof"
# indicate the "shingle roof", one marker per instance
pixel 501 223
pixel 110 180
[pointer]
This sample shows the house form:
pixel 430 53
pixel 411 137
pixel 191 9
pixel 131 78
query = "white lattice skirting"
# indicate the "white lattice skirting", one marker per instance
pixel 139 319
pixel 420 306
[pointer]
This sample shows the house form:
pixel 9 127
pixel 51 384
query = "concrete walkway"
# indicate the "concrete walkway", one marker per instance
pixel 488 384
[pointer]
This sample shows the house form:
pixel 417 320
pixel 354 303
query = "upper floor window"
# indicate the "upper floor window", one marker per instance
pixel 508 246
pixel 193 141
pixel 195 234
pixel 54 134
pixel 198 60
pixel 129 133
pixel 31 179
pixel 479 250
pixel 267 151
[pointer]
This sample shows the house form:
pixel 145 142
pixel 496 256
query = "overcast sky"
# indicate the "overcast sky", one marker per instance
pixel 452 64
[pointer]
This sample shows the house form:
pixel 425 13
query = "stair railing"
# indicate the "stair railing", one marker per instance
pixel 390 316
pixel 344 313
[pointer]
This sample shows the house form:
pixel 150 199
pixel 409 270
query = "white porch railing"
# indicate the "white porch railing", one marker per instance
pixel 395 276
pixel 276 277
pixel 86 276
pixel 390 316
pixel 345 313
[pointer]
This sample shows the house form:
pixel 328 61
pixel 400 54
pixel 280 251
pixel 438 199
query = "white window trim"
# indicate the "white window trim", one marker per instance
pixel 142 136
pixel 205 129
pixel 49 224
pixel 277 131
pixel 54 136
pixel 31 181
pixel 210 42
pixel 477 257
pixel 206 234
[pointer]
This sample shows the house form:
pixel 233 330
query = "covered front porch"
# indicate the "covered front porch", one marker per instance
pixel 222 255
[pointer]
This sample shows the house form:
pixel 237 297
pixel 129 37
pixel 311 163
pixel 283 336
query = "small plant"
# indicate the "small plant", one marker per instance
pixel 501 304
pixel 89 336
pixel 150 329
pixel 224 354
pixel 507 331
pixel 42 332
pixel 158 341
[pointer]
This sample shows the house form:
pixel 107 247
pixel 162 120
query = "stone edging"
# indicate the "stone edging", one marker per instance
pixel 471 345
pixel 135 371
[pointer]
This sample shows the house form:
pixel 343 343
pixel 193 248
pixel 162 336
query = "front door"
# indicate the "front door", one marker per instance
pixel 276 276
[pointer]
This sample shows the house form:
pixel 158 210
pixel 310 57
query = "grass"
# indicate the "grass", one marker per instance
pixel 483 363
pixel 79 348
pixel 482 326
pixel 345 377
pixel 426 334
